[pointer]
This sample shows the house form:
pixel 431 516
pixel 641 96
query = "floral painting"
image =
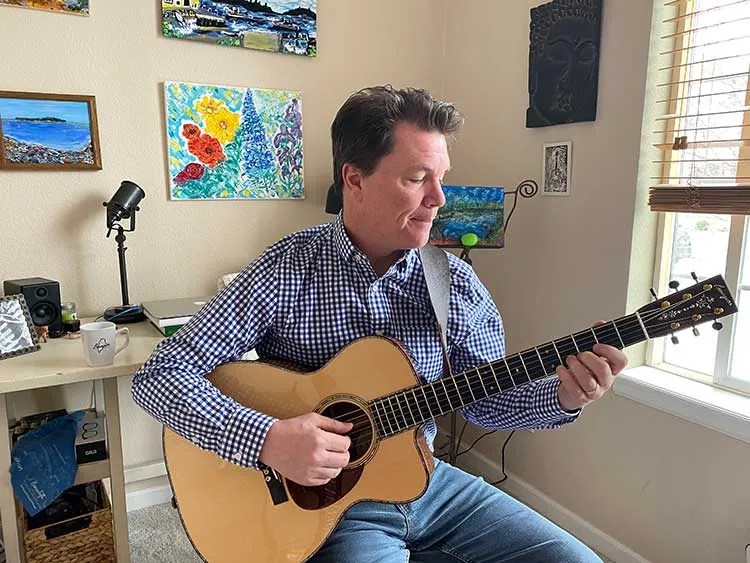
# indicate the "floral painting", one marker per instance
pixel 477 211
pixel 233 143
pixel 78 7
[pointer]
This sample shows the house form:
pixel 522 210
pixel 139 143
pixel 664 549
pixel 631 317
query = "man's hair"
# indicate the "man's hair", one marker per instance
pixel 362 131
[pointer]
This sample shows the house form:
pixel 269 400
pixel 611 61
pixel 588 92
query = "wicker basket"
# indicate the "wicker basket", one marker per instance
pixel 84 539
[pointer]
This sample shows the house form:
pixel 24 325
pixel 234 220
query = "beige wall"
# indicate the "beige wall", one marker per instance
pixel 668 489
pixel 54 224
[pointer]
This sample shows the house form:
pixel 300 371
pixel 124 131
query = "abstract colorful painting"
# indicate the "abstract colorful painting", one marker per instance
pixel 233 143
pixel 478 210
pixel 78 7
pixel 283 26
pixel 48 131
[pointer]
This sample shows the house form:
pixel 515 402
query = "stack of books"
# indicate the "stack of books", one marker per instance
pixel 169 315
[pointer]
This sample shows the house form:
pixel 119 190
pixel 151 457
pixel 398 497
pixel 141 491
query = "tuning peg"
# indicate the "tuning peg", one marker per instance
pixel 692 274
pixel 695 331
pixel 674 284
pixel 716 325
pixel 674 339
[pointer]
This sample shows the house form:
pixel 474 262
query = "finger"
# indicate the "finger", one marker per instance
pixel 598 367
pixel 335 460
pixel 335 442
pixel 582 375
pixel 325 473
pixel 599 323
pixel 572 389
pixel 617 359
pixel 333 425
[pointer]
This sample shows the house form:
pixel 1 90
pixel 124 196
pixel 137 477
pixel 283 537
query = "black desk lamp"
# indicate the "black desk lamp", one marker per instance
pixel 123 205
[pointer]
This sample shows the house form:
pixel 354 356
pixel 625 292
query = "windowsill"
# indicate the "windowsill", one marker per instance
pixel 709 406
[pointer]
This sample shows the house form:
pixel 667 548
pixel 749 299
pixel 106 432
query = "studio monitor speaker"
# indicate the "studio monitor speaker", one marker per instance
pixel 43 298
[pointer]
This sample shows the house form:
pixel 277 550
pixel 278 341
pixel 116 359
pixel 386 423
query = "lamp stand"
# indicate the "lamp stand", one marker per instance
pixel 124 313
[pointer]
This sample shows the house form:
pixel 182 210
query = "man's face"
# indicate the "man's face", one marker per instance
pixel 396 204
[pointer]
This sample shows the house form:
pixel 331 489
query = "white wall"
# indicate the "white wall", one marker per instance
pixel 666 488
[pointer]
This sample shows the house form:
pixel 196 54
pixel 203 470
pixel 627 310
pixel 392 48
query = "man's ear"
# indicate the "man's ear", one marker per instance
pixel 351 176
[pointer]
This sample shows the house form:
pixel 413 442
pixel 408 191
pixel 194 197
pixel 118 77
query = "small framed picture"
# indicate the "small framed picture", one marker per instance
pixel 48 132
pixel 556 166
pixel 17 332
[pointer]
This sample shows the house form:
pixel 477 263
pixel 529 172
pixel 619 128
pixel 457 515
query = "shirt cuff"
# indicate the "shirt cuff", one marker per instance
pixel 546 403
pixel 244 435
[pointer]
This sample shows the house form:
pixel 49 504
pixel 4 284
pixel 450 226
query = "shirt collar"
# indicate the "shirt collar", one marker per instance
pixel 350 253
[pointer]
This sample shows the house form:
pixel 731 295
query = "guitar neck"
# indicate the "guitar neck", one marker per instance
pixel 403 410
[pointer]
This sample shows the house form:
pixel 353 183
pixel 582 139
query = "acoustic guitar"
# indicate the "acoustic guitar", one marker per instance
pixel 237 514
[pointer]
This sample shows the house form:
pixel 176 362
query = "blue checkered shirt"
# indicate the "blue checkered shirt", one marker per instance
pixel 303 300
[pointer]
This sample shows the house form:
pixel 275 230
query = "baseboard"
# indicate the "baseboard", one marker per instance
pixel 478 464
pixel 146 485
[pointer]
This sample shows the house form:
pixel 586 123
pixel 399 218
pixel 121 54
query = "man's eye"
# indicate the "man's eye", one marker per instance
pixel 417 180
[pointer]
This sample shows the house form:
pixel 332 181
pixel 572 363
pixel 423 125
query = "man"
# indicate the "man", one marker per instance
pixel 317 290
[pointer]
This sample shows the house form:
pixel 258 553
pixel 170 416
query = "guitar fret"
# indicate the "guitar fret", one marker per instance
pixel 482 382
pixel 471 391
pixel 594 333
pixel 422 417
pixel 510 373
pixel 494 375
pixel 541 361
pixel 395 423
pixel 434 392
pixel 573 338
pixel 413 419
pixel 559 357
pixel 528 376
pixel 395 415
pixel 446 395
pixel 426 400
pixel 460 398
pixel 386 419
pixel 378 418
pixel 643 326
pixel 614 324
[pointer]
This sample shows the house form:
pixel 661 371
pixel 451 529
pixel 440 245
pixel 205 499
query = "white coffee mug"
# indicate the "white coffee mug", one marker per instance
pixel 99 342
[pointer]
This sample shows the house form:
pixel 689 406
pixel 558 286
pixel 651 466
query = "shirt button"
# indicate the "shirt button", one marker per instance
pixel 237 456
pixel 379 332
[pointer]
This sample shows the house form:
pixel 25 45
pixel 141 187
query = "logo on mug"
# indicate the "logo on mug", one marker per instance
pixel 101 345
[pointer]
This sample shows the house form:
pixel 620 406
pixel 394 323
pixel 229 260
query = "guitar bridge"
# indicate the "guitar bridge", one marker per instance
pixel 275 485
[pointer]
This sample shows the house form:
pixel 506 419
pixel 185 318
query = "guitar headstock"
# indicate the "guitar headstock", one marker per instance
pixel 705 301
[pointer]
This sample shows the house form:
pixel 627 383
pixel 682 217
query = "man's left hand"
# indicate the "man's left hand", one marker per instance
pixel 589 375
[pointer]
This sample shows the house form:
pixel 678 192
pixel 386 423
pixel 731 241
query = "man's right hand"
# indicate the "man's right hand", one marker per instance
pixel 308 449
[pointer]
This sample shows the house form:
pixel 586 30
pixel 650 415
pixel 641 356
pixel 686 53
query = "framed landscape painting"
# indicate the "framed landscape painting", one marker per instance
pixel 78 7
pixel 48 132
pixel 281 26
pixel 226 142
pixel 470 210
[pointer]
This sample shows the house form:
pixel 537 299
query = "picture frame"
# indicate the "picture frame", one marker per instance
pixel 470 210
pixel 17 332
pixel 77 7
pixel 44 131
pixel 556 168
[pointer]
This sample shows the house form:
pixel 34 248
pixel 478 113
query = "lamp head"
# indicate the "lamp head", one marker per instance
pixel 125 202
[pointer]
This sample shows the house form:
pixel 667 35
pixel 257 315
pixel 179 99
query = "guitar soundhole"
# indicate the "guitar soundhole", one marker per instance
pixel 361 434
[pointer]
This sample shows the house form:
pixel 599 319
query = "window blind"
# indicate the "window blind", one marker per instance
pixel 703 99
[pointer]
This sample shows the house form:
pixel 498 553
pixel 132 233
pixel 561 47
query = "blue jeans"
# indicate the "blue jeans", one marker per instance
pixel 460 518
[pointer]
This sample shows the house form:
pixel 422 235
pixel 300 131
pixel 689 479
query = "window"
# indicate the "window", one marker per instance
pixel 703 186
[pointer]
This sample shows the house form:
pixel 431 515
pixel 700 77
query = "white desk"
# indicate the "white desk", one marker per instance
pixel 59 362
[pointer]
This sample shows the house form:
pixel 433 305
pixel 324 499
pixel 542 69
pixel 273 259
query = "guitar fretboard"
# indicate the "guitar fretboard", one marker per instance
pixel 405 409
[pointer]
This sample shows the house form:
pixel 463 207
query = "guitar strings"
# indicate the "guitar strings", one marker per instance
pixel 609 332
pixel 396 421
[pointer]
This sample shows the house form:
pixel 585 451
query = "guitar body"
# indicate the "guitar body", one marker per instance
pixel 228 511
